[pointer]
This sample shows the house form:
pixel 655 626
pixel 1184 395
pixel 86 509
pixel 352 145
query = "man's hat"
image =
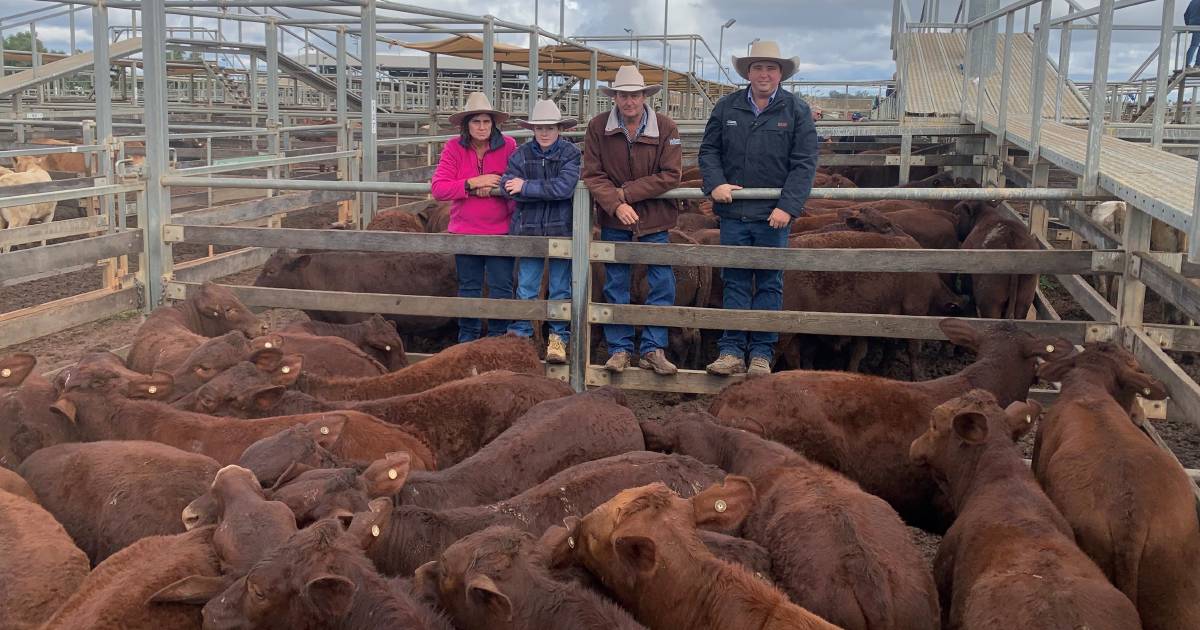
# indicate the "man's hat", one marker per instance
pixel 765 50
pixel 628 79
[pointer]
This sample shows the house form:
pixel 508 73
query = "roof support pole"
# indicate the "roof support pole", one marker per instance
pixel 1164 70
pixel 156 253
pixel 1091 171
pixel 533 69
pixel 370 122
pixel 489 59
pixel 1038 89
pixel 1064 68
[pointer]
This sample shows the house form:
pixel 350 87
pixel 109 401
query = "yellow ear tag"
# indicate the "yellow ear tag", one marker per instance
pixel 5 373
pixel 268 345
pixel 387 348
pixel 324 430
pixel 375 531
pixel 152 389
pixel 571 541
pixel 1049 348
pixel 720 506
pixel 392 474
pixel 285 369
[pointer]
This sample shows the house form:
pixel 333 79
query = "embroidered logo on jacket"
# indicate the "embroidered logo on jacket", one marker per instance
pixel 781 124
pixel 730 123
pixel 674 141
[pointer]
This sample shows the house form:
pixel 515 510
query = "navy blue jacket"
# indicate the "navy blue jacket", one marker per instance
pixel 1191 16
pixel 776 149
pixel 544 204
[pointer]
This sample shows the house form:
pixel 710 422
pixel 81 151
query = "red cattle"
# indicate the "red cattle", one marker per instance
pixel 109 494
pixel 26 421
pixel 40 566
pixel 325 356
pixel 376 336
pixel 835 550
pixel 207 360
pixel 861 426
pixel 1007 296
pixel 495 578
pixel 170 333
pixel 290 452
pixel 13 483
pixel 1128 502
pixel 642 544
pixel 1008 544
pixel 396 220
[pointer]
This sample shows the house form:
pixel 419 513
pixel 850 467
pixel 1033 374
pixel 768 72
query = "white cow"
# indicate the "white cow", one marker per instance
pixel 29 171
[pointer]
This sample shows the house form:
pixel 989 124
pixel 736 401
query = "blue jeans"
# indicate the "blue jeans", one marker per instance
pixel 768 287
pixel 529 285
pixel 471 269
pixel 1193 51
pixel 616 291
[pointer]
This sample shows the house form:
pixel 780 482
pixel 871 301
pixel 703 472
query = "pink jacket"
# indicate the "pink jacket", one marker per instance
pixel 470 214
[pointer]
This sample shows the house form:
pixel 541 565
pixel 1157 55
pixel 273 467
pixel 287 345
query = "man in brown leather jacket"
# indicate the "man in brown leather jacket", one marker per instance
pixel 631 155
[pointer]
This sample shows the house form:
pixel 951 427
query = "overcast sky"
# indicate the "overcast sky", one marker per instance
pixel 835 39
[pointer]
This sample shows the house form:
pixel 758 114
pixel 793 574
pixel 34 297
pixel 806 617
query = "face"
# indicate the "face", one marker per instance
pixel 545 135
pixel 765 76
pixel 480 127
pixel 630 103
pixel 221 312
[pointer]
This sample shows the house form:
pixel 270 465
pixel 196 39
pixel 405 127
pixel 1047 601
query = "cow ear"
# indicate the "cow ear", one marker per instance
pixel 330 595
pixel 367 527
pixel 266 359
pixel 193 589
pixel 639 552
pixel 482 590
pixel 264 398
pixel 287 372
pixel 299 262
pixel 157 386
pixel 1140 383
pixel 971 427
pixel 295 469
pixel 1054 371
pixel 960 333
pixel 559 543
pixel 724 506
pixel 425 582
pixel 65 408
pixel 15 368
pixel 1021 415
pixel 327 428
pixel 385 477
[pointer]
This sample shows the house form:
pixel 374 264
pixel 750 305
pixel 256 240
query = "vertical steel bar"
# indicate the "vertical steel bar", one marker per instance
pixel 156 252
pixel 1114 105
pixel 1091 171
pixel 905 157
pixel 1040 58
pixel 593 81
pixel 581 292
pixel 370 123
pixel 980 91
pixel 533 67
pixel 343 134
pixel 1005 80
pixel 35 59
pixel 1064 68
pixel 966 70
pixel 666 73
pixel 271 30
pixel 489 58
pixel 1164 70
pixel 71 28
pixel 1194 228
pixel 102 86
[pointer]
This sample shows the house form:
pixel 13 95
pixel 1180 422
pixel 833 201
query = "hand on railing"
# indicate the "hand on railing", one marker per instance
pixel 724 193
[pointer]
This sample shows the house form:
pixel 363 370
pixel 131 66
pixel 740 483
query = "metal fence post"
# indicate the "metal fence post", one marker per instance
pixel 156 253
pixel 370 123
pixel 1064 65
pixel 1005 81
pixel 1091 171
pixel 102 87
pixel 1164 69
pixel 489 59
pixel 533 68
pixel 1040 57
pixel 581 290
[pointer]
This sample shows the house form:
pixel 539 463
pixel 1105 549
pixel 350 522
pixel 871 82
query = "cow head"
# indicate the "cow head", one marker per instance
pixel 14 368
pixel 249 389
pixel 218 311
pixel 870 220
pixel 627 541
pixel 27 423
pixel 283 456
pixel 342 492
pixel 25 163
pixel 210 359
pixel 380 334
pixel 104 374
pixel 1109 366
pixel 281 270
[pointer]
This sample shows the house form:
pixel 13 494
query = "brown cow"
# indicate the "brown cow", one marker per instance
pixel 104 401
pixel 40 566
pixel 248 525
pixel 435 216
pixel 1009 543
pixel 117 595
pixel 413 535
pixel 376 336
pixel 170 333
pixel 341 492
pixel 365 272
pixel 291 452
pixel 456 362
pixel 26 421
pixel 455 419
pixel 318 579
pixel 1127 501
pixel 1007 296
pixel 209 359
pixel 835 550
pixel 13 483
pixel 495 578
pixel 396 220
pixel 65 162
pixel 861 426
pixel 642 545
pixel 109 494
pixel 325 356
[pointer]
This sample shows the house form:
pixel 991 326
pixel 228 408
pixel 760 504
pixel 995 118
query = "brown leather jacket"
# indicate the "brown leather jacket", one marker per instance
pixel 646 168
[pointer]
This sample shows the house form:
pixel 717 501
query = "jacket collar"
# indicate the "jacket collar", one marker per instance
pixel 549 151
pixel 741 101
pixel 614 123
pixel 495 142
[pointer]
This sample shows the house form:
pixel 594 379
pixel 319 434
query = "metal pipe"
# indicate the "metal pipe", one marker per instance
pixel 1070 17
pixel 370 127
pixel 1005 80
pixel 489 60
pixel 1091 173
pixel 1041 55
pixel 153 214
pixel 1164 69
pixel 1064 65
pixel 666 70
pixel 102 87
pixel 533 68
pixel 581 293
pixel 271 33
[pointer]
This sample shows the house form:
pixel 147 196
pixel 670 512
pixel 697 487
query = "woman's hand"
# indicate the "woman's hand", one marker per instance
pixel 484 181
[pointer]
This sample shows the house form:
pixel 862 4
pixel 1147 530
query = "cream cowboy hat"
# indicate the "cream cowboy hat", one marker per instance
pixel 547 113
pixel 478 103
pixel 628 79
pixel 765 50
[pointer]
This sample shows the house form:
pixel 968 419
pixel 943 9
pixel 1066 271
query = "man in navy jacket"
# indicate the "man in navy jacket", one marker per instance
pixel 759 137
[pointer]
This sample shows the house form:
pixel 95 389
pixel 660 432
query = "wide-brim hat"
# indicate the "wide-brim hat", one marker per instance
pixel 765 50
pixel 628 79
pixel 547 113
pixel 478 103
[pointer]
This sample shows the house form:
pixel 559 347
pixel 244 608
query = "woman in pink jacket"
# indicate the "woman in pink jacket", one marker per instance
pixel 468 172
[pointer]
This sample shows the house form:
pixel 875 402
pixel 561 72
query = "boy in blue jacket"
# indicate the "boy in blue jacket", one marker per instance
pixel 541 177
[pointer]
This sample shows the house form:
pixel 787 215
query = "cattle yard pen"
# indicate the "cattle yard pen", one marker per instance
pixel 239 151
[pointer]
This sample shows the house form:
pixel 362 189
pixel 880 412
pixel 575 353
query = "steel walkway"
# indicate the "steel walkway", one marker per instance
pixel 14 83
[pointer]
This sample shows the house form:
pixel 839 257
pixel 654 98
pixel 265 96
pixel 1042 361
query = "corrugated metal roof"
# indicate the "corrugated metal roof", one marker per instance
pixel 934 79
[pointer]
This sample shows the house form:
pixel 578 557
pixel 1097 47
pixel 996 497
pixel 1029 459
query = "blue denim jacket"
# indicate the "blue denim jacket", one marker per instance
pixel 544 204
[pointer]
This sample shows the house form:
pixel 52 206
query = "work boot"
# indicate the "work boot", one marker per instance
pixel 617 362
pixel 556 350
pixel 657 360
pixel 759 366
pixel 725 365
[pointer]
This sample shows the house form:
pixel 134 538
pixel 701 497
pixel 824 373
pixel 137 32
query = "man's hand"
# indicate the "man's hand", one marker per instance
pixel 486 191
pixel 626 214
pixel 778 218
pixel 724 193
pixel 484 181
pixel 514 186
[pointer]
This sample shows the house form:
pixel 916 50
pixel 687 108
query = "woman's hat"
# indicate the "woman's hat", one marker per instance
pixel 478 103
pixel 547 113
